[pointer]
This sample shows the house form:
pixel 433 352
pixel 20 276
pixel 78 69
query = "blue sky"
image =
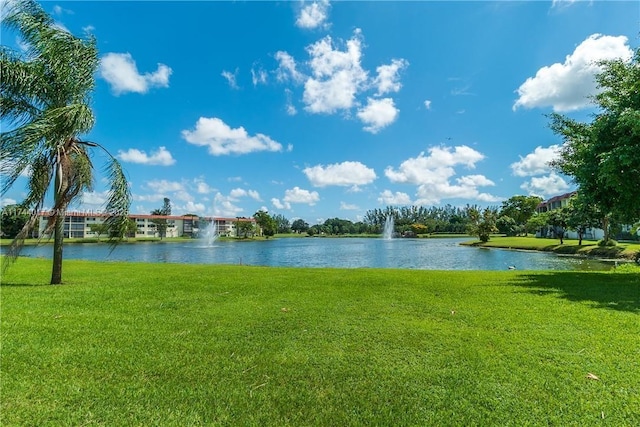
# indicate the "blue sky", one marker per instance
pixel 317 110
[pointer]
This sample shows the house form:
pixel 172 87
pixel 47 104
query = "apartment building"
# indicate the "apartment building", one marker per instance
pixel 87 224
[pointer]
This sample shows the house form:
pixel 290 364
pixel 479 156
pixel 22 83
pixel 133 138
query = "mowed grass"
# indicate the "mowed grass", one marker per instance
pixel 162 344
pixel 570 246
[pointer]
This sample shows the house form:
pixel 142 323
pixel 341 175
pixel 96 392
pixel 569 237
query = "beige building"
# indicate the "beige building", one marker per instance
pixel 86 225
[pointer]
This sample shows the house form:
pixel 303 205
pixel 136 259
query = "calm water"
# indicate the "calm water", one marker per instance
pixel 426 254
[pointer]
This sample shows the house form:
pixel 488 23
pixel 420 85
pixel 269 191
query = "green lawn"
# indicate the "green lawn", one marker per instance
pixel 162 344
pixel 570 246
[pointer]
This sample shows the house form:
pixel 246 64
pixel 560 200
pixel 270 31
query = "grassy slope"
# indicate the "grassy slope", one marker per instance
pixel 570 246
pixel 161 344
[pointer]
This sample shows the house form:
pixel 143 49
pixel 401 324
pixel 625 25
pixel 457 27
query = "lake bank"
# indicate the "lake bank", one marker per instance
pixel 589 248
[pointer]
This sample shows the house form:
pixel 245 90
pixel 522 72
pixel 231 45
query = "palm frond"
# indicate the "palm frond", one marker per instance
pixel 118 201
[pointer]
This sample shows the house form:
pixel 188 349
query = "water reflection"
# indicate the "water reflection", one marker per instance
pixel 429 254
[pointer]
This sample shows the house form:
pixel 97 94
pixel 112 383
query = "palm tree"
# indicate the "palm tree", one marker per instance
pixel 44 102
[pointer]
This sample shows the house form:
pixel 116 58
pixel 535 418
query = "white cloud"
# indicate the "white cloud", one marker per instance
pixel 432 174
pixel 223 206
pixel 121 72
pixel 427 104
pixel 547 185
pixel 378 114
pixel 337 75
pixel 95 198
pixel 231 78
pixel 348 207
pixel 567 86
pixel 221 139
pixel 388 79
pixel 475 181
pixel 314 15
pixel 341 174
pixel 202 187
pixel 258 76
pixel 148 198
pixel 279 205
pixel 160 157
pixel 237 193
pixel 189 207
pixel 436 166
pixel 298 195
pixel 291 109
pixel 387 197
pixel 536 163
pixel 287 68
pixel 7 201
pixel 162 186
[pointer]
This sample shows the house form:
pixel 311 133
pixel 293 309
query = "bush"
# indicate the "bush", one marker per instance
pixel 609 242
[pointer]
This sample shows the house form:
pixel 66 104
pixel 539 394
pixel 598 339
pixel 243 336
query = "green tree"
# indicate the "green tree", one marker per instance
pixel 283 224
pixel 45 109
pixel 266 223
pixel 508 226
pixel 558 219
pixel 602 156
pixel 537 222
pixel 581 215
pixel 299 226
pixel 520 209
pixel 244 227
pixel 12 219
pixel 482 224
pixel 160 222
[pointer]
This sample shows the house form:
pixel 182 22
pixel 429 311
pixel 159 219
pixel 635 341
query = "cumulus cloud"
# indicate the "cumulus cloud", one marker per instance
pixel 201 186
pixel 432 174
pixel 298 195
pixel 189 207
pixel 567 86
pixel 337 75
pixel 547 185
pixel 221 139
pixel 387 197
pixel 237 193
pixel 161 157
pixel 343 174
pixel 427 104
pixel 280 205
pixel 225 207
pixel 378 114
pixel 121 72
pixel 231 78
pixel 314 15
pixel 537 162
pixel 388 79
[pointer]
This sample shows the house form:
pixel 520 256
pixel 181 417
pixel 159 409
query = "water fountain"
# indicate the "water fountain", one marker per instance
pixel 210 233
pixel 387 232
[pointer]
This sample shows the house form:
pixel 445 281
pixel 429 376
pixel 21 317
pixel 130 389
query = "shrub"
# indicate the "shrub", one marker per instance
pixel 609 242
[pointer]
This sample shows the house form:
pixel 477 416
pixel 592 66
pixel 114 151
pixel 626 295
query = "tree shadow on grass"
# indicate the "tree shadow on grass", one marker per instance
pixel 603 290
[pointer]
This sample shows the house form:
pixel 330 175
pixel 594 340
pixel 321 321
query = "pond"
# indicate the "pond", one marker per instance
pixel 425 254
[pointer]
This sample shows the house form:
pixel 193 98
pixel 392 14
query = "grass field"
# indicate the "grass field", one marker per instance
pixel 162 344
pixel 570 246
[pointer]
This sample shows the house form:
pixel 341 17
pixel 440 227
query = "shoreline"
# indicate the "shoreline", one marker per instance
pixel 625 251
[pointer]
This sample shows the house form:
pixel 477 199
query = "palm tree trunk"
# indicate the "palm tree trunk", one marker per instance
pixel 58 237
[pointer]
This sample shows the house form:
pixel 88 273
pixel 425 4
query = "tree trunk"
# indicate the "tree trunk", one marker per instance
pixel 605 228
pixel 58 237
